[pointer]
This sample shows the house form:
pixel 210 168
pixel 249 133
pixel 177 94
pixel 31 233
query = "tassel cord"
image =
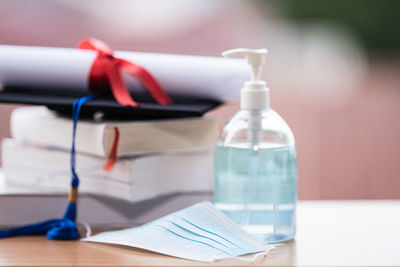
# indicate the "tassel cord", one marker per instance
pixel 64 228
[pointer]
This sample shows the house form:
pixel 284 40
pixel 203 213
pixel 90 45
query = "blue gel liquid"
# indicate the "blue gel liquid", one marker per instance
pixel 258 189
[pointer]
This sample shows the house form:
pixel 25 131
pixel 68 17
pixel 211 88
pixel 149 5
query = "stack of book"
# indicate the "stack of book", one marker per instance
pixel 154 158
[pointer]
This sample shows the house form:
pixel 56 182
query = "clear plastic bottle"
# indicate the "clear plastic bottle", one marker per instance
pixel 256 171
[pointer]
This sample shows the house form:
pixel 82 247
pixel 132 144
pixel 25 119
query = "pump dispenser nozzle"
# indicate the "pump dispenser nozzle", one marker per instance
pixel 254 94
pixel 255 58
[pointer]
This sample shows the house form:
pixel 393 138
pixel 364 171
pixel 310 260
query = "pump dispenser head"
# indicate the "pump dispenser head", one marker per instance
pixel 254 94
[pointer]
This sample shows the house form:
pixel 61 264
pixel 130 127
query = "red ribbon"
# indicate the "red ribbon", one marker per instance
pixel 112 157
pixel 105 75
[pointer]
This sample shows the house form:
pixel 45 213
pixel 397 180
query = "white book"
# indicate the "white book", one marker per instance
pixel 21 205
pixel 41 126
pixel 131 179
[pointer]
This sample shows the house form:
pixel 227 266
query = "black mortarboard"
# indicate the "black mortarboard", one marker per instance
pixel 62 101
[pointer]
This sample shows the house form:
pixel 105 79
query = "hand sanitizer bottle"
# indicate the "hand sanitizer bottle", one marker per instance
pixel 256 162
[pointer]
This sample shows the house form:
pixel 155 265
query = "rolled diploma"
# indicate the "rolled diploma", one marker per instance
pixel 54 68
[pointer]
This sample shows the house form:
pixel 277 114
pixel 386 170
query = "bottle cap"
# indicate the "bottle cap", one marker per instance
pixel 255 93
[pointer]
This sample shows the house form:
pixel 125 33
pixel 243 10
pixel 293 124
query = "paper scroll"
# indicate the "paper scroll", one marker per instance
pixel 66 68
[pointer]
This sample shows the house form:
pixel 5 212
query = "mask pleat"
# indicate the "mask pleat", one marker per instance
pixel 210 233
pixel 198 234
pixel 191 239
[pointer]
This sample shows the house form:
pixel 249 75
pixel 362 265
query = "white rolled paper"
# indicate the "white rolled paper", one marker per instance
pixel 55 68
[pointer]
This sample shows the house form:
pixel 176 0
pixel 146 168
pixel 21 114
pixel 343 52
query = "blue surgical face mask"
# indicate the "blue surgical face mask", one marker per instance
pixel 199 232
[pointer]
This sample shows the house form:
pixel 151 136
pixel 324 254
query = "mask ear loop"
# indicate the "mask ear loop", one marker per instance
pixel 88 228
pixel 256 258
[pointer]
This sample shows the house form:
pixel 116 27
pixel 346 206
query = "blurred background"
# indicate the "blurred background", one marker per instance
pixel 333 69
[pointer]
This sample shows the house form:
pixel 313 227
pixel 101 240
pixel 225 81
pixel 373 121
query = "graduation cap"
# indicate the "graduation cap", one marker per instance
pixel 109 95
pixel 113 98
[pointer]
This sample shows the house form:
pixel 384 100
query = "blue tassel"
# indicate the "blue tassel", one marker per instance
pixel 64 228
pixel 56 229
pixel 70 212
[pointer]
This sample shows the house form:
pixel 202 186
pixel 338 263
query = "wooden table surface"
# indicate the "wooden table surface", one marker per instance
pixel 330 233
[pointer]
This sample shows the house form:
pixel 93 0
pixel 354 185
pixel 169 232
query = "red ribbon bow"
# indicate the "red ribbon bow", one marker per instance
pixel 105 75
